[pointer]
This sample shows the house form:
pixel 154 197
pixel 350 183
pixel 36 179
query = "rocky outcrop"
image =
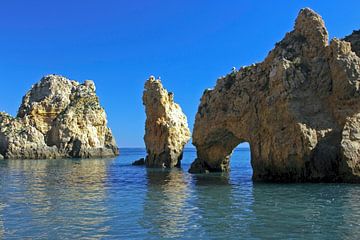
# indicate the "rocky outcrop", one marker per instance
pixel 354 39
pixel 299 109
pixel 166 128
pixel 57 118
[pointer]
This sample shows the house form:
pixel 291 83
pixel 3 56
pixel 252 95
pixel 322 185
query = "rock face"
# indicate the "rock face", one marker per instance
pixel 299 109
pixel 166 128
pixel 57 118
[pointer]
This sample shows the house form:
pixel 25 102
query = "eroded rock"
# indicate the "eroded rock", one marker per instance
pixel 166 128
pixel 57 118
pixel 299 109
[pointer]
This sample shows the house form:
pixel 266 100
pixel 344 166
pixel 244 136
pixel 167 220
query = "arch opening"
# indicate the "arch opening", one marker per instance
pixel 240 161
pixel 215 155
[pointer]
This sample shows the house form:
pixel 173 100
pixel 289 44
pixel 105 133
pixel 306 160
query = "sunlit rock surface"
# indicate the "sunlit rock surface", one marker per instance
pixel 299 109
pixel 57 118
pixel 166 128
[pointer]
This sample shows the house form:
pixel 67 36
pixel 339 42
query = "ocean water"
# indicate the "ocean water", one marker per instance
pixel 110 199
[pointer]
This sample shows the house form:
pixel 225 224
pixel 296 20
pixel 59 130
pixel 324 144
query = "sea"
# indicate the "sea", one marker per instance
pixel 111 199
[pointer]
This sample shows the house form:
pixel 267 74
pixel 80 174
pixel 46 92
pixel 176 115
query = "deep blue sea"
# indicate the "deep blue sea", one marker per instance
pixel 110 199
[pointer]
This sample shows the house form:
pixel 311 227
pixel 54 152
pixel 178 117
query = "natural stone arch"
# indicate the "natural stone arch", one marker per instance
pixel 298 109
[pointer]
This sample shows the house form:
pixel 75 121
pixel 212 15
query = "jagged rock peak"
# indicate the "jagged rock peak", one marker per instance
pixel 310 25
pixel 166 127
pixel 46 99
pixel 58 117
pixel 299 109
pixel 354 39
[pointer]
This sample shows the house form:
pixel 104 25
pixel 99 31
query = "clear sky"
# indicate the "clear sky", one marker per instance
pixel 119 44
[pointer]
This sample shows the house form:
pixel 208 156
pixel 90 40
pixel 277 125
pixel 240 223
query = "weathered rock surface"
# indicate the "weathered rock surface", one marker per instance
pixel 57 118
pixel 166 128
pixel 299 109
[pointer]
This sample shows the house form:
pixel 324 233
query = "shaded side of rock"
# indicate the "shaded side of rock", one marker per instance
pixel 354 40
pixel 166 128
pixel 298 109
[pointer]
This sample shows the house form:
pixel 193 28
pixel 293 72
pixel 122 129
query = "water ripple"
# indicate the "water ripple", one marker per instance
pixel 110 199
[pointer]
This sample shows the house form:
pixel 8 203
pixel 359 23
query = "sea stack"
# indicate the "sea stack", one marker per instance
pixel 166 127
pixel 299 110
pixel 58 118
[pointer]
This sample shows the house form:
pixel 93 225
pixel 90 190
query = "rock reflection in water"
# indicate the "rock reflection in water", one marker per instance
pixel 2 228
pixel 65 194
pixel 166 214
pixel 319 215
pixel 351 211
pixel 216 202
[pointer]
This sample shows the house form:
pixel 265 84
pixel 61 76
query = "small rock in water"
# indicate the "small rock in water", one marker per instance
pixel 139 162
pixel 1 157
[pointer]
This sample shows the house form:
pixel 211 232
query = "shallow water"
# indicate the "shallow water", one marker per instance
pixel 110 199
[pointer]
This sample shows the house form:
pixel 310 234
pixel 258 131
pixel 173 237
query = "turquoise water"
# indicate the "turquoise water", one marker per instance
pixel 110 199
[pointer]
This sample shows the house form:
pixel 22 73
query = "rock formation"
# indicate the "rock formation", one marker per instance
pixel 299 109
pixel 57 118
pixel 166 128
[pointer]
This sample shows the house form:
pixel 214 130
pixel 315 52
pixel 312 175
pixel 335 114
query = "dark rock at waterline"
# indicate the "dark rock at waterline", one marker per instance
pixel 139 162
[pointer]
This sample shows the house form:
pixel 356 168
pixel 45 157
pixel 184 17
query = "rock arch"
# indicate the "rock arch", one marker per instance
pixel 298 109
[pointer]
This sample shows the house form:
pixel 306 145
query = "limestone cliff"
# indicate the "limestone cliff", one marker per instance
pixel 299 109
pixel 57 118
pixel 166 128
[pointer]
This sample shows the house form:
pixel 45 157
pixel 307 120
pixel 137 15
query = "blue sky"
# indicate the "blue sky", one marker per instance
pixel 119 44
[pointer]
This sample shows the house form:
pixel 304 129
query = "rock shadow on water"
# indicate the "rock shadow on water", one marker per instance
pixel 211 179
pixel 219 209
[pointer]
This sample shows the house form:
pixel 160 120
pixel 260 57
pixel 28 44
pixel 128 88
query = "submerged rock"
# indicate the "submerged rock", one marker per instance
pixel 57 118
pixel 299 109
pixel 166 128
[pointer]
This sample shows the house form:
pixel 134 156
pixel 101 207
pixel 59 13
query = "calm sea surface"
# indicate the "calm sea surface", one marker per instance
pixel 110 199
